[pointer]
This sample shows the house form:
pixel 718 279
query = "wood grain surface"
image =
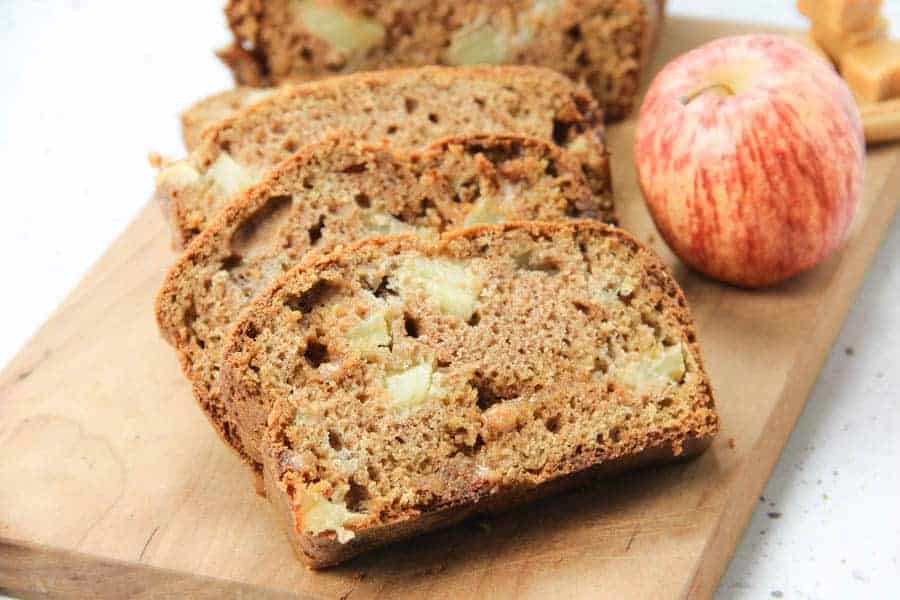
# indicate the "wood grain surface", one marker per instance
pixel 112 482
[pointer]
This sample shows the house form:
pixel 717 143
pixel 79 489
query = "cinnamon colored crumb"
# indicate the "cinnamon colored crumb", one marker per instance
pixel 376 190
pixel 411 108
pixel 576 391
pixel 605 43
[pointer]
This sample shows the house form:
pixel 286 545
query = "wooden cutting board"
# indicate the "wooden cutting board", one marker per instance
pixel 112 482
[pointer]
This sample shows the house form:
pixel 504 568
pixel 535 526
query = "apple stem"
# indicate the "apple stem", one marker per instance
pixel 720 86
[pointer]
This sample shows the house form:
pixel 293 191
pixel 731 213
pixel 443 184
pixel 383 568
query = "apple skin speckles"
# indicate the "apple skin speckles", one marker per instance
pixel 750 155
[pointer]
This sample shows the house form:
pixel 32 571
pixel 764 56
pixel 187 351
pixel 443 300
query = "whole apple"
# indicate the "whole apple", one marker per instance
pixel 750 155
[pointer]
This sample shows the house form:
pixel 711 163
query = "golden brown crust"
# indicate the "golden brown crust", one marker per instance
pixel 244 66
pixel 604 43
pixel 437 189
pixel 690 422
pixel 206 112
pixel 412 108
pixel 319 552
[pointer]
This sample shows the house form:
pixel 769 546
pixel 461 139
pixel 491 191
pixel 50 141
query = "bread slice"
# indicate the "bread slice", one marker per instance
pixel 336 192
pixel 211 109
pixel 411 383
pixel 411 108
pixel 603 43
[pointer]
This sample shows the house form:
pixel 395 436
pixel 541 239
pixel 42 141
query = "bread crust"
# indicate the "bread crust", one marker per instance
pixel 208 111
pixel 318 552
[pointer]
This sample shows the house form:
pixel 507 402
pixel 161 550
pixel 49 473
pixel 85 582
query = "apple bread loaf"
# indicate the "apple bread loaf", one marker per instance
pixel 334 192
pixel 211 109
pixel 411 108
pixel 603 43
pixel 411 383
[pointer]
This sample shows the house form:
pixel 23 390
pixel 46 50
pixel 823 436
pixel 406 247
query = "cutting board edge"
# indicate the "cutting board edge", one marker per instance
pixel 42 571
pixel 741 506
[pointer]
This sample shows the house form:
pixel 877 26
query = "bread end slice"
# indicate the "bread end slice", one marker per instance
pixel 207 111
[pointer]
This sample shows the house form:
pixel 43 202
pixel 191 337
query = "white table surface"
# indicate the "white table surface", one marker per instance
pixel 90 86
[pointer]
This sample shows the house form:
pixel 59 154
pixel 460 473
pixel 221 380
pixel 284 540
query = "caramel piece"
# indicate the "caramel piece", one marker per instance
pixel 841 15
pixel 873 71
pixel 836 43
pixel 881 120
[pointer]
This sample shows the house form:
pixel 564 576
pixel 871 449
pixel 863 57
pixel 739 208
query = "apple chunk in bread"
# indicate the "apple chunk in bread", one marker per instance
pixel 371 334
pixel 345 31
pixel 452 286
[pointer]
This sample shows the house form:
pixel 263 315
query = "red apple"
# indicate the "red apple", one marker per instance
pixel 750 154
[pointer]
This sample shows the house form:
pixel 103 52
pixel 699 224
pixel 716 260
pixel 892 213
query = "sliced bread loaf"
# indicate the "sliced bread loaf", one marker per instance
pixel 411 108
pixel 411 383
pixel 604 43
pixel 211 109
pixel 335 192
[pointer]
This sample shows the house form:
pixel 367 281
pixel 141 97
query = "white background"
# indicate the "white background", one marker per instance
pixel 88 87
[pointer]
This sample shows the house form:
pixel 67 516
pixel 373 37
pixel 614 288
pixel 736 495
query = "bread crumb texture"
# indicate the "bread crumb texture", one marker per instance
pixel 337 192
pixel 603 43
pixel 405 377
pixel 411 109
